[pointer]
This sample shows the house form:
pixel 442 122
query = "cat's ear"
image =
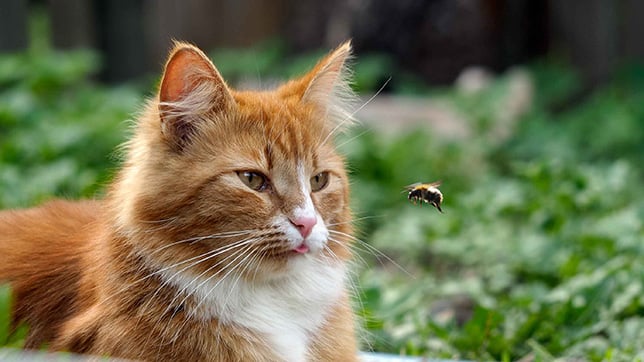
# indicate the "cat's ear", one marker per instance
pixel 191 90
pixel 328 85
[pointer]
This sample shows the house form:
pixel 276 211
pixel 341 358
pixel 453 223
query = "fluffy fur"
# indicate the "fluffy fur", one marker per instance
pixel 185 258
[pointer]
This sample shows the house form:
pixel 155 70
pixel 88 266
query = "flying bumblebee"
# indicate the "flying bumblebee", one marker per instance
pixel 425 192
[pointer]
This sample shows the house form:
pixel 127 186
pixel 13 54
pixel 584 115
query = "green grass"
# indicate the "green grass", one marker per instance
pixel 539 251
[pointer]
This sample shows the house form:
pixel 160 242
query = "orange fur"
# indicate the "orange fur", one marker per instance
pixel 122 276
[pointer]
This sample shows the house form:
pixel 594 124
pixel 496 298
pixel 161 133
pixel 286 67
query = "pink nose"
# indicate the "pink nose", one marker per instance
pixel 304 224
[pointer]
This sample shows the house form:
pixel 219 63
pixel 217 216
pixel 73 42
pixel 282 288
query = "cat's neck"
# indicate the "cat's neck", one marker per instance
pixel 286 312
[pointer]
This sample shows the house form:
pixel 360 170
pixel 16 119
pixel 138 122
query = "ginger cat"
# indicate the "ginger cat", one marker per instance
pixel 224 237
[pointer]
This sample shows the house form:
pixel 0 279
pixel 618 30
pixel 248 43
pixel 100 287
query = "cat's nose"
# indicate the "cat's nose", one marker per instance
pixel 304 224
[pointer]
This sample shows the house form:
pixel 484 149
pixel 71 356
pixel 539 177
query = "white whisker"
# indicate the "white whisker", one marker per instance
pixel 211 253
pixel 351 247
pixel 373 250
pixel 194 239
pixel 201 258
pixel 260 256
pixel 205 297
pixel 354 137
pixel 242 254
pixel 350 117
pixel 355 220
pixel 247 265
pixel 236 254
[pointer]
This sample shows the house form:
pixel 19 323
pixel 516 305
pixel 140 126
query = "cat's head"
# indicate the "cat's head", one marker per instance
pixel 244 180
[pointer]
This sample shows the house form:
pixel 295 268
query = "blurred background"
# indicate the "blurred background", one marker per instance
pixel 434 39
pixel 531 113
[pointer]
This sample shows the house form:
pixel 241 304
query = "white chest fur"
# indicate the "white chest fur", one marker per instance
pixel 286 312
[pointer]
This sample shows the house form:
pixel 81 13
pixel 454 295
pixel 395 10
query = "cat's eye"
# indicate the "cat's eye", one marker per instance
pixel 319 181
pixel 254 180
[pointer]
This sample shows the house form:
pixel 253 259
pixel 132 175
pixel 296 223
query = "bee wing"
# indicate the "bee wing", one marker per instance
pixel 411 187
pixel 425 185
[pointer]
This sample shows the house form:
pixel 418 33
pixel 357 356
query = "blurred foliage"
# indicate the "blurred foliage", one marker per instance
pixel 49 115
pixel 9 336
pixel 539 252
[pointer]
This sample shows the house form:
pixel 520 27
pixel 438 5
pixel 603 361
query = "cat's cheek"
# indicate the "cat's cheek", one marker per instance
pixel 330 204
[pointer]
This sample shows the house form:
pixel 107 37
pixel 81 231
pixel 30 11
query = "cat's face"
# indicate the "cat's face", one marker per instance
pixel 249 183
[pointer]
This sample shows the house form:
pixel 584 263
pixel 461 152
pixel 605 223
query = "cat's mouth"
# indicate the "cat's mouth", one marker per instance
pixel 301 249
pixel 286 252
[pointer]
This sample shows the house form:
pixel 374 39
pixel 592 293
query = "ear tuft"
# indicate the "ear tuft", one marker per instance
pixel 190 90
pixel 329 86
